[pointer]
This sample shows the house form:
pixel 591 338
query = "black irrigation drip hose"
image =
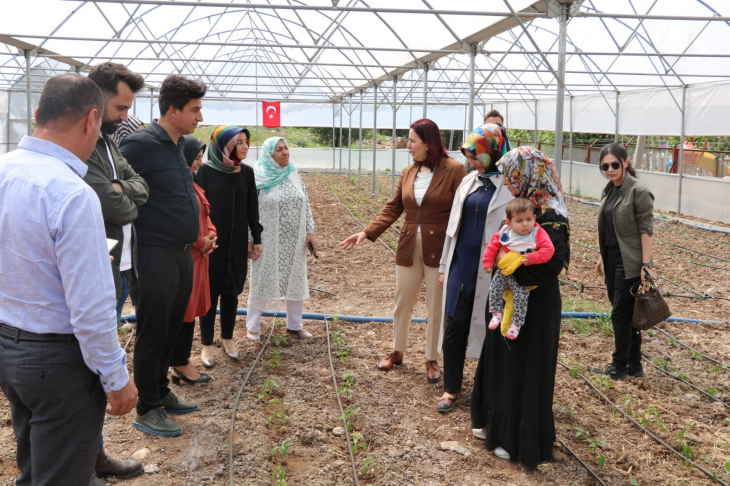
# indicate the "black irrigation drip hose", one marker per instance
pixel 232 429
pixel 571 284
pixel 647 431
pixel 351 214
pixel 692 249
pixel 573 240
pixel 692 385
pixel 690 348
pixel 703 296
pixel 339 404
pixel 586 466
pixel 323 291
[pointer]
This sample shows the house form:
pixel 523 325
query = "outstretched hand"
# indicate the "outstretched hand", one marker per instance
pixel 353 240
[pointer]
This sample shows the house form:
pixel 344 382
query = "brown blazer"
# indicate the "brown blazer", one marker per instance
pixel 433 215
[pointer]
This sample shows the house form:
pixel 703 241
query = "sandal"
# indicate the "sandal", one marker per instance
pixel 445 404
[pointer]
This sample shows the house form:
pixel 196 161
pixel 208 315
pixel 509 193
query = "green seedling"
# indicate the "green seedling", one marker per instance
pixel 347 416
pixel 672 342
pixel 593 444
pixel 275 359
pixel 649 413
pixel 280 340
pixel 581 432
pixel 627 399
pixel 346 385
pixel 696 356
pixel 633 482
pixel 358 442
pixel 604 323
pixel 269 386
pixel 712 391
pixel 369 466
pixel 681 376
pixel 687 453
pixel 603 381
pixel 663 364
pixel 278 475
pixel 716 368
pixel 651 332
pixel 563 410
pixel 574 368
pixel 283 449
pixel 601 461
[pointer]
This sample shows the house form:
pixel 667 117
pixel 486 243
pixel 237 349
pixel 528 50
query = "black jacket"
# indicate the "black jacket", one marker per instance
pixel 118 208
pixel 234 210
pixel 170 217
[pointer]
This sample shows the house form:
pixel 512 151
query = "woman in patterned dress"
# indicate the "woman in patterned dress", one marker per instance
pixel 285 213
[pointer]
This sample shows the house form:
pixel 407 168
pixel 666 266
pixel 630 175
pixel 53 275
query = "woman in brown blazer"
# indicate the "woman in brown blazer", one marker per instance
pixel 425 191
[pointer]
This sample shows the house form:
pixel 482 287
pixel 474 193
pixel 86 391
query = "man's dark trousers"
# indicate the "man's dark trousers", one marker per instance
pixel 161 291
pixel 57 405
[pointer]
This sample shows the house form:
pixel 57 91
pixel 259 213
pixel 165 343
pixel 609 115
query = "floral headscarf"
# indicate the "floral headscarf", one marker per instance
pixel 530 174
pixel 266 171
pixel 222 145
pixel 488 143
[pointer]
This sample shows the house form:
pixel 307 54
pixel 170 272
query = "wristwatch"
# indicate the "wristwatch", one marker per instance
pixel 647 265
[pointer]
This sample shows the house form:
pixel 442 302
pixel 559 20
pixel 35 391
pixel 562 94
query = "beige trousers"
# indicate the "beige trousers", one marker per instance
pixel 408 282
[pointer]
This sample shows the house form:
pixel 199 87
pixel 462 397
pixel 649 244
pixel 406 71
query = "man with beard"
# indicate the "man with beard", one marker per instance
pixel 120 190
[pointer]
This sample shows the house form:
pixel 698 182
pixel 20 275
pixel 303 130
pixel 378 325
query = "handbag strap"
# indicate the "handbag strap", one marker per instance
pixel 647 284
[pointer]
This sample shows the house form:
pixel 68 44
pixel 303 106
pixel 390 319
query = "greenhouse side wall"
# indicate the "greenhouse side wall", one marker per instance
pixel 4 123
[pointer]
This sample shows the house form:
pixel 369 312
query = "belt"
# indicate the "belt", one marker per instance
pixel 10 332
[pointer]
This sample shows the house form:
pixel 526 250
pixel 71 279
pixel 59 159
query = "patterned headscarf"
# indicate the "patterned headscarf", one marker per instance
pixel 222 145
pixel 530 174
pixel 488 143
pixel 126 128
pixel 266 171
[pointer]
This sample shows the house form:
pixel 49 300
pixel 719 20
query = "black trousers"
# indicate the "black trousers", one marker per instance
pixel 57 406
pixel 161 291
pixel 456 337
pixel 627 339
pixel 183 346
pixel 229 305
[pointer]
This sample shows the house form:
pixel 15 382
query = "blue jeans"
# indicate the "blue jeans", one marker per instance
pixel 124 278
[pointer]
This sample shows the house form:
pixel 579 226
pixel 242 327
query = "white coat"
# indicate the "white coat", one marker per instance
pixel 495 217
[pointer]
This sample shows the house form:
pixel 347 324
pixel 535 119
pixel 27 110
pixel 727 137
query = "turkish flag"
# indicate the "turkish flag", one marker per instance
pixel 272 114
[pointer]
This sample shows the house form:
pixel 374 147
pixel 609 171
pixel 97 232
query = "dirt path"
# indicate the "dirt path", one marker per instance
pixel 394 413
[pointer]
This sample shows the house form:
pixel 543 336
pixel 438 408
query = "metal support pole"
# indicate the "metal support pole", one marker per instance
pixel 334 119
pixel 152 104
pixel 535 123
pixel 570 150
pixel 681 150
pixel 470 111
pixel 639 153
pixel 375 131
pixel 561 88
pixel 349 141
pixel 256 109
pixel 425 90
pixel 615 137
pixel 28 93
pixel 506 116
pixel 134 107
pixel 341 106
pixel 392 142
pixel 359 150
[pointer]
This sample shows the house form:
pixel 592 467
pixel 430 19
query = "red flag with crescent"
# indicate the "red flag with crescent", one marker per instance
pixel 272 113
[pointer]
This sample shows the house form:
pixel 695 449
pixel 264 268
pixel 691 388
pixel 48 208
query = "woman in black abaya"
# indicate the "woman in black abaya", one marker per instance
pixel 513 390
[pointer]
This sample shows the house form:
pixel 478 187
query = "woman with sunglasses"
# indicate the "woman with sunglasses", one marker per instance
pixel 625 226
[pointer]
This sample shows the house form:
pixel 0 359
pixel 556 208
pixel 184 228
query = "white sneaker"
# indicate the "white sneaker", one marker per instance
pixel 501 453
pixel 480 434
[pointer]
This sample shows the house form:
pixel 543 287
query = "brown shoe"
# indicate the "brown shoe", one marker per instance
pixel 433 372
pixel 108 466
pixel 394 358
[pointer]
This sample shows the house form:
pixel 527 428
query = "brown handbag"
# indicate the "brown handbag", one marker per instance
pixel 650 308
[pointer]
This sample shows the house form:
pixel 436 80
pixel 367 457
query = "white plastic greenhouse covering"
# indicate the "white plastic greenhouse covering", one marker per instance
pixel 633 67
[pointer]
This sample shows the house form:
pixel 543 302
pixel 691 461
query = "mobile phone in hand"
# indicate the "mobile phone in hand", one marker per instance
pixel 311 250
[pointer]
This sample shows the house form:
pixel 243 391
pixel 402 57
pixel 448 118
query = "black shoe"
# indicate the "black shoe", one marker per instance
pixel 468 400
pixel 174 406
pixel 615 373
pixel 637 370
pixel 178 375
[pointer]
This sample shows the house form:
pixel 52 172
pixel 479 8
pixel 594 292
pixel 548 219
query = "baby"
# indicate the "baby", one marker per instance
pixel 520 234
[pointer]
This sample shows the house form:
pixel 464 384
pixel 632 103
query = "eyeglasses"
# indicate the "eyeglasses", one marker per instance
pixel 614 166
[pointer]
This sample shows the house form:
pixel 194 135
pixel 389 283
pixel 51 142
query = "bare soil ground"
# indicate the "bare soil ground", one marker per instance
pixel 290 395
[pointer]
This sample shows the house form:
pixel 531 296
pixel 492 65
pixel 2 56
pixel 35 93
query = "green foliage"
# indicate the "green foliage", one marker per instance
pixel 278 418
pixel 563 410
pixel 278 476
pixel 663 364
pixel 603 381
pixel 651 414
pixel 633 482
pixel 716 368
pixel 298 141
pixel 601 461
pixel 283 449
pixel 711 390
pixel 346 385
pixel 280 340
pixel 696 356
pixel 269 386
pixel 579 432
pixel 347 416
pixel 369 466
pixel 574 371
pixel 358 442
pixel 275 359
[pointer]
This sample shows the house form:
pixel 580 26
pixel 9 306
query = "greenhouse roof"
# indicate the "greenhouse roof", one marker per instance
pixel 323 50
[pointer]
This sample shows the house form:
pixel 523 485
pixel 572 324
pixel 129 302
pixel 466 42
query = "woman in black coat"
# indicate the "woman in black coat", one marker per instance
pixel 234 210
pixel 514 383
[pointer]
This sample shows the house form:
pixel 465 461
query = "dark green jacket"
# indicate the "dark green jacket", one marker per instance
pixel 118 208
pixel 633 215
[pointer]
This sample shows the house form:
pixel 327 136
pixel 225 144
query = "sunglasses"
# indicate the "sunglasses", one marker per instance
pixel 614 166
